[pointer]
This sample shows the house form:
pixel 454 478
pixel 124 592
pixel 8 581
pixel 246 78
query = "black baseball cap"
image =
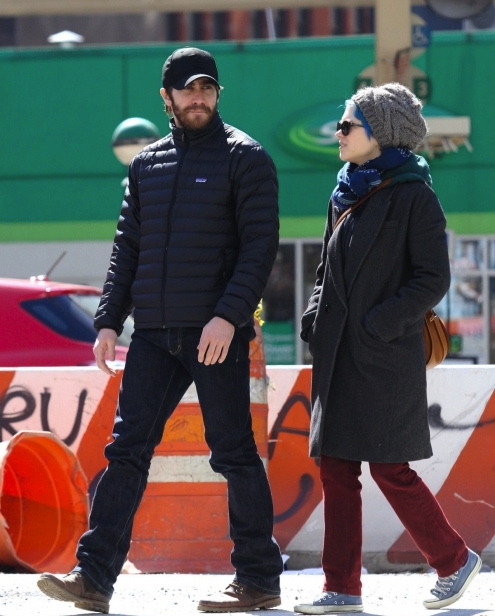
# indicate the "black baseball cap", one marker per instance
pixel 187 64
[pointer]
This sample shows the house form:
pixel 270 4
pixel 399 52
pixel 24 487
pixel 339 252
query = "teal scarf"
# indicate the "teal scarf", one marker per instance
pixel 398 164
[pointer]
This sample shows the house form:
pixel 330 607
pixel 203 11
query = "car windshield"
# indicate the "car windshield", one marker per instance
pixel 72 316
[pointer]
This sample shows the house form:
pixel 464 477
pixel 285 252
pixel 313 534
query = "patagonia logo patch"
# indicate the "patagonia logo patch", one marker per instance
pixel 200 180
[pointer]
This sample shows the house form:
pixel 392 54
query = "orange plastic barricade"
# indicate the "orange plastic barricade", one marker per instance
pixel 182 523
pixel 43 503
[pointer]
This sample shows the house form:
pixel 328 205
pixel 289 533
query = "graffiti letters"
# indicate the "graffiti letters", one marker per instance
pixel 436 420
pixel 283 424
pixel 19 404
pixel 466 494
pixel 294 476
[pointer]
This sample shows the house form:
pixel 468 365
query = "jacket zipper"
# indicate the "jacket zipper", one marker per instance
pixel 169 230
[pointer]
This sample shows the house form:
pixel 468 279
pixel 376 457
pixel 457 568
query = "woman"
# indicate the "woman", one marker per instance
pixel 383 265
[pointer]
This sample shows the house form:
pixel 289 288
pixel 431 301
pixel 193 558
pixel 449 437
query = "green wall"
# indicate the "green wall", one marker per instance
pixel 60 180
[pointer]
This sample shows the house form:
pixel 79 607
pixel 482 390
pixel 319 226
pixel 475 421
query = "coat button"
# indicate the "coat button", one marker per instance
pixel 326 308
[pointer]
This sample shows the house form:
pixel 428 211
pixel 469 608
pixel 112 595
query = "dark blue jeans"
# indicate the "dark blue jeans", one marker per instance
pixel 160 366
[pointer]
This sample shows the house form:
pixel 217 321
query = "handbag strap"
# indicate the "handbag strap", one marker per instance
pixel 359 201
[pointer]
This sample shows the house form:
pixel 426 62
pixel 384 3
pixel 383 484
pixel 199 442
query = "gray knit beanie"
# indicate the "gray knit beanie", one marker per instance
pixel 394 115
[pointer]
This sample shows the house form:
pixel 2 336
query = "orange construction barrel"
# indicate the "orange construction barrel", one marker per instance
pixel 43 503
pixel 182 524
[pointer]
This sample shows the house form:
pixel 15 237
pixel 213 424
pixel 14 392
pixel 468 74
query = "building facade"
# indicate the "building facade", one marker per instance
pixel 61 185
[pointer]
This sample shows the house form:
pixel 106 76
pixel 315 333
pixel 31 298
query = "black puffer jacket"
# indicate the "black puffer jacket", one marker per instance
pixel 197 233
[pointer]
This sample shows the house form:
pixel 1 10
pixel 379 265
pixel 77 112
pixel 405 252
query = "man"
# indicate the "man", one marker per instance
pixel 195 243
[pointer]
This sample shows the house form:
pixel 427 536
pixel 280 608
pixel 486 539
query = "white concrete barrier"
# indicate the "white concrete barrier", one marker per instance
pixel 461 472
pixel 78 405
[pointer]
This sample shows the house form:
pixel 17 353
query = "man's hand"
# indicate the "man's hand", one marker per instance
pixel 104 349
pixel 215 341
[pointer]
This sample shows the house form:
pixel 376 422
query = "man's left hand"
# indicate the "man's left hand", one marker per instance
pixel 215 341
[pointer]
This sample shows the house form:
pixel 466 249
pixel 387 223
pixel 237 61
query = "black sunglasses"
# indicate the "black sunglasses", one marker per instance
pixel 346 126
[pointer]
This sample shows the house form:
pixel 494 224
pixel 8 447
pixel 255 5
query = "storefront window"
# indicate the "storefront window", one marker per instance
pixel 279 334
pixel 311 256
pixel 462 309
pixel 491 319
pixel 468 308
pixel 465 300
pixel 468 254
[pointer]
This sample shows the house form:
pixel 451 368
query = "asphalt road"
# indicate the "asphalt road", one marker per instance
pixel 177 594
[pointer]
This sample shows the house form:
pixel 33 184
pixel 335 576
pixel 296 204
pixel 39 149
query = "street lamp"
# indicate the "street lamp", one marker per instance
pixel 66 39
pixel 131 136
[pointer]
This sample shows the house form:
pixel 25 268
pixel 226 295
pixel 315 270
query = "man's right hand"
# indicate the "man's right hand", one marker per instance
pixel 104 350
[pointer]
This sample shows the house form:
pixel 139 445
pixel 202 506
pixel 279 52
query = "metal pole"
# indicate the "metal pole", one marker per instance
pixel 270 24
pixel 392 36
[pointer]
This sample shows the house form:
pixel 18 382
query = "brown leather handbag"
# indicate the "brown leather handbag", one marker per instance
pixel 436 339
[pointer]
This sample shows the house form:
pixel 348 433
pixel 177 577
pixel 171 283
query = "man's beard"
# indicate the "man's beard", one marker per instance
pixel 192 121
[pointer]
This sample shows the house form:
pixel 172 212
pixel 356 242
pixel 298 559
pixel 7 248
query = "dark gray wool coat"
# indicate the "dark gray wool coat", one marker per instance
pixel 364 327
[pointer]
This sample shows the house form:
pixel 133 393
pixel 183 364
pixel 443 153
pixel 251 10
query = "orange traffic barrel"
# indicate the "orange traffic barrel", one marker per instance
pixel 43 503
pixel 182 524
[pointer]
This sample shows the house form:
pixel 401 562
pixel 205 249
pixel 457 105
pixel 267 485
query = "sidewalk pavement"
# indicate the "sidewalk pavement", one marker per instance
pixel 172 594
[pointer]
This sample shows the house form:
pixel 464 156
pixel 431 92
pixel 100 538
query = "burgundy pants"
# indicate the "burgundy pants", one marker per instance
pixel 412 501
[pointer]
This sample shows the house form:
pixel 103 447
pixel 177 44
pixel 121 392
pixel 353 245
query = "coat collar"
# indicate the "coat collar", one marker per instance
pixel 372 216
pixel 194 137
pixel 365 234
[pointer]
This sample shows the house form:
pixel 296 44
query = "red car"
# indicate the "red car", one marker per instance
pixel 46 323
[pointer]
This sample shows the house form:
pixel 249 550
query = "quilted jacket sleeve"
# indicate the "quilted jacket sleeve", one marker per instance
pixel 116 304
pixel 255 194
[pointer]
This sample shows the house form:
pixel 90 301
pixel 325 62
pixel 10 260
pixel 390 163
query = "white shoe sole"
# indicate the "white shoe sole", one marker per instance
pixel 432 604
pixel 231 606
pixel 305 608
